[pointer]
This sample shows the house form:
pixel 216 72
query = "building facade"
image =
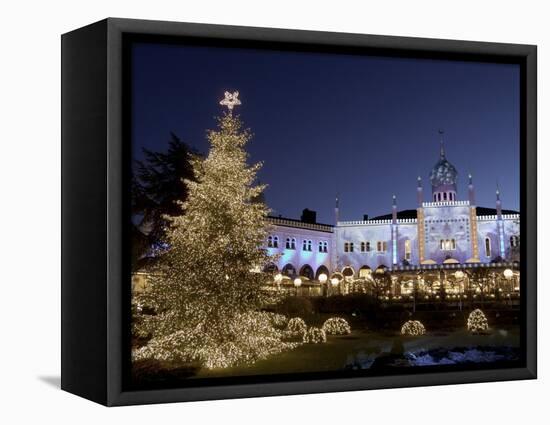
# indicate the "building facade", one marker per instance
pixel 443 230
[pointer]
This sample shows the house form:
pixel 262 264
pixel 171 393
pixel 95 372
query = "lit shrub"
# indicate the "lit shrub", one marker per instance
pixel 336 326
pixel 296 326
pixel 413 328
pixel 315 336
pixel 278 320
pixel 477 322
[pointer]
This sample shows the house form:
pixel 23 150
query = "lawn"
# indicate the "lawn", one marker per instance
pixel 339 351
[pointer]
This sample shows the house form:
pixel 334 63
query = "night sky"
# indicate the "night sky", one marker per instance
pixel 362 127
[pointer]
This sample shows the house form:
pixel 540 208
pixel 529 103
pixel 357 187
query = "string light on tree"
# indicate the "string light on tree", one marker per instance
pixel 209 303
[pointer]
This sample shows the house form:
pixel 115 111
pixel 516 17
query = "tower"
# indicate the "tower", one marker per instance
pixel 337 211
pixel 394 230
pixel 500 224
pixel 419 192
pixel 471 193
pixel 443 177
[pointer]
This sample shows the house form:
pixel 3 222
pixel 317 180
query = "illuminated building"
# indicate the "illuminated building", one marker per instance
pixel 441 230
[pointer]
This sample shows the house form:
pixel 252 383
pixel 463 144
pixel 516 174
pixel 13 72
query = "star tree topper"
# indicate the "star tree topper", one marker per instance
pixel 230 100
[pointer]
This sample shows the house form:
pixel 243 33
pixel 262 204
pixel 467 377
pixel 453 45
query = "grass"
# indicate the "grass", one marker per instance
pixel 340 350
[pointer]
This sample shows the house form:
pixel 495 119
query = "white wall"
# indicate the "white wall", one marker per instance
pixel 30 249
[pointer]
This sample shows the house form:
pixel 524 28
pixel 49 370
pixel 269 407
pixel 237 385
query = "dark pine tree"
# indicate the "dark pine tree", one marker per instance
pixel 157 187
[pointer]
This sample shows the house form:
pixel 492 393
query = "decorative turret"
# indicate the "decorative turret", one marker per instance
pixel 394 210
pixel 419 192
pixel 443 177
pixel 337 211
pixel 499 204
pixel 471 193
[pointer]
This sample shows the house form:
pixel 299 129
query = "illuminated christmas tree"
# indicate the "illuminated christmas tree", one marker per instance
pixel 209 291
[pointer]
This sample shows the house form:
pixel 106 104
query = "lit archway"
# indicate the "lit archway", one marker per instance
pixel 321 270
pixel 365 272
pixel 289 270
pixel 348 271
pixel 271 268
pixel 307 271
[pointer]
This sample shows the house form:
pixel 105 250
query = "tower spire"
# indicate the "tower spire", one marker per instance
pixel 441 147
pixel 499 203
pixel 337 210
pixel 419 192
pixel 471 192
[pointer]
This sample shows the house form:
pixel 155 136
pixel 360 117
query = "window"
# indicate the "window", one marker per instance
pixel 351 247
pixel 306 245
pixel 514 241
pixel 487 247
pixel 381 246
pixel 447 244
pixel 346 247
pixel 435 197
pixel 323 246
pixel 270 242
pixel 445 196
pixel 309 244
pixel 290 243
pixel 408 251
pixel 275 241
pixel 365 246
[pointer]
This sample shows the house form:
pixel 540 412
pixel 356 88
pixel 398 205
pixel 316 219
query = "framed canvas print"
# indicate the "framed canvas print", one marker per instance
pixel 252 212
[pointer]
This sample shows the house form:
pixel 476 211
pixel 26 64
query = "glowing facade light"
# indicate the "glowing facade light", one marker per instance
pixel 297 282
pixel 459 274
pixel 334 281
pixel 323 278
pixel 508 274
pixel 278 278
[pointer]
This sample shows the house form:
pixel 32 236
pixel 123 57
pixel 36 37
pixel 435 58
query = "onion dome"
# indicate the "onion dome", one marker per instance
pixel 443 178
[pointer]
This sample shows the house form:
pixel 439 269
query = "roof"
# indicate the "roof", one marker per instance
pixel 400 215
pixel 480 211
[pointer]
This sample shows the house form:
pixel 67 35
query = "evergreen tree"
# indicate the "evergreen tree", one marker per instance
pixel 209 291
pixel 157 188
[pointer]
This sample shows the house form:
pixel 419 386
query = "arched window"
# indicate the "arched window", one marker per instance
pixel 290 243
pixel 487 247
pixel 323 246
pixel 309 245
pixel 514 241
pixel 408 250
pixel 304 245
pixel 445 196
pixel 351 247
pixel 346 247
pixel 435 197
pixel 368 246
pixel 275 241
pixel 453 244
pixel 363 247
pixel 270 242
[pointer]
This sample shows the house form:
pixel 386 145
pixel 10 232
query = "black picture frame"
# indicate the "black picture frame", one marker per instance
pixel 95 275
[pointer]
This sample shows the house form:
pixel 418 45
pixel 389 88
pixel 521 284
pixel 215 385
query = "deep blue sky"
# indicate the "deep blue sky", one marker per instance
pixel 361 126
